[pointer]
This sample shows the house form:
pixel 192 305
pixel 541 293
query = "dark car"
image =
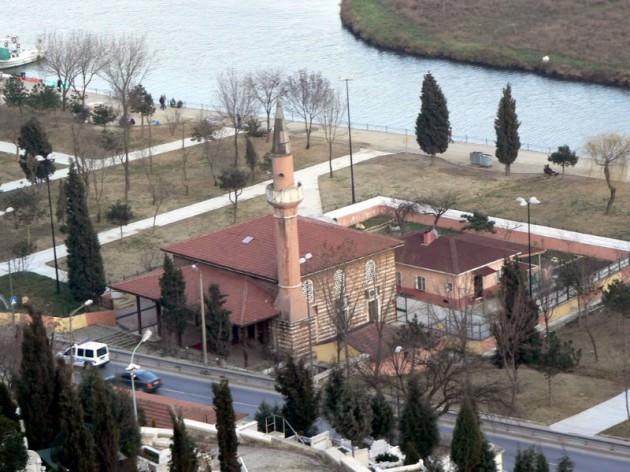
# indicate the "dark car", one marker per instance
pixel 144 380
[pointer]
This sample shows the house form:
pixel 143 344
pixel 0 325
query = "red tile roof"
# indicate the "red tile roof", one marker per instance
pixel 249 300
pixel 365 340
pixel 226 248
pixel 455 254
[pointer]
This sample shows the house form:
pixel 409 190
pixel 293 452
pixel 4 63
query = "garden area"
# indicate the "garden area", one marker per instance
pixel 40 291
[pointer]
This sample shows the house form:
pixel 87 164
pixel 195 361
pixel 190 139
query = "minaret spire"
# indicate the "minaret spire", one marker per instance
pixel 280 144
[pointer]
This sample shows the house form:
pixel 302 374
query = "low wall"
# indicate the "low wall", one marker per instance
pixel 516 231
pixel 103 318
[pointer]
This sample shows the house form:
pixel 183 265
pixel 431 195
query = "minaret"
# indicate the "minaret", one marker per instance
pixel 285 195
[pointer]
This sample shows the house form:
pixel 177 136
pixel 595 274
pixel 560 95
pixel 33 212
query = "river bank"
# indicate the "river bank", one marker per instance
pixel 514 41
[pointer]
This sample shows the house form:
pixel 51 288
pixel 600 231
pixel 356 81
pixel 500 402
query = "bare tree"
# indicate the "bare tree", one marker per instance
pixel 402 211
pixel 267 85
pixel 10 357
pixel 332 114
pixel 609 150
pixel 128 62
pixel 307 94
pixel 205 132
pixel 173 117
pixel 236 100
pixel 62 61
pixel 91 59
pixel 439 202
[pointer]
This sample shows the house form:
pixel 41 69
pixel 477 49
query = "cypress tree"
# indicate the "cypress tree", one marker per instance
pixel 565 465
pixel 265 416
pixel 467 443
pixel 251 157
pixel 226 433
pixel 34 141
pixel 488 462
pixel 354 415
pixel 382 417
pixel 106 434
pixel 12 451
pixel 35 386
pixel 331 393
pixel 128 429
pixel 218 324
pixel 506 126
pixel 295 384
pixel 7 405
pixel 76 451
pixel 173 298
pixel 86 275
pixel 526 460
pixel 183 450
pixel 541 463
pixel 432 125
pixel 419 433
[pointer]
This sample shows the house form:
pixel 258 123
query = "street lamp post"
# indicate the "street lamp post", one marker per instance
pixel 310 296
pixel 528 203
pixel 202 304
pixel 52 226
pixel 4 212
pixel 346 80
pixel 85 304
pixel 132 368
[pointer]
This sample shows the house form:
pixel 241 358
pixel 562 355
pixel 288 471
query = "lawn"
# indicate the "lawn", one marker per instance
pixel 585 40
pixel 41 293
pixel 569 202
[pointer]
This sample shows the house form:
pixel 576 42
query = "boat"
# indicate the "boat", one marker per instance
pixel 12 55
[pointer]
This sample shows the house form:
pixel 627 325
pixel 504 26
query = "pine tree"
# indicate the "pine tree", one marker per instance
pixel 565 465
pixel 506 126
pixel 15 93
pixel 35 386
pixel 34 141
pixel 183 449
pixel 419 433
pixel 467 443
pixel 86 275
pixel 295 383
pixel 60 207
pixel 12 451
pixel 173 298
pixel 526 460
pixel 331 393
pixel 541 463
pixel 76 451
pixel 432 125
pixel 265 417
pixel 382 417
pixel 226 433
pixel 106 434
pixel 218 324
pixel 354 415
pixel 120 214
pixel 128 429
pixel 563 157
pixel 488 461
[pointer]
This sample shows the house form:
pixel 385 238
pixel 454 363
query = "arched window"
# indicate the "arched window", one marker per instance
pixel 370 273
pixel 340 282
pixel 309 291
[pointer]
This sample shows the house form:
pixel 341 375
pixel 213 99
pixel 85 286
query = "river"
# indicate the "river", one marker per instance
pixel 197 39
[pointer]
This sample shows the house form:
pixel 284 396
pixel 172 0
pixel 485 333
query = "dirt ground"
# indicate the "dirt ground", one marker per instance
pixel 569 202
pixel 9 168
pixel 621 430
pixel 168 167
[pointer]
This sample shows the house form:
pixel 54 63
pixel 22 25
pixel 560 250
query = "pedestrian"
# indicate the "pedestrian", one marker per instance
pixel 59 85
pixel 162 102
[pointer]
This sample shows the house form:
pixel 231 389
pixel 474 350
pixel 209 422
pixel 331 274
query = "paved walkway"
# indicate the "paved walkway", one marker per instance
pixel 596 419
pixel 98 164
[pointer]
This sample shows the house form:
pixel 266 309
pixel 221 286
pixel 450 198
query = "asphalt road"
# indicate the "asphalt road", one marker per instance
pixel 246 400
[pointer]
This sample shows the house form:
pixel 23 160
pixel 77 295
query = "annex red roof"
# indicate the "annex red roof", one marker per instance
pixel 250 248
pixel 455 254
pixel 250 301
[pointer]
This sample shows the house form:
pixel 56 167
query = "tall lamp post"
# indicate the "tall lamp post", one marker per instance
pixel 132 368
pixel 310 297
pixel 52 224
pixel 346 80
pixel 202 304
pixel 5 212
pixel 528 203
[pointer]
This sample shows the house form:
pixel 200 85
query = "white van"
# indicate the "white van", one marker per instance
pixel 93 353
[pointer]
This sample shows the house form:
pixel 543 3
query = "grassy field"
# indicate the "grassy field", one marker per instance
pixel 569 202
pixel 41 292
pixel 585 39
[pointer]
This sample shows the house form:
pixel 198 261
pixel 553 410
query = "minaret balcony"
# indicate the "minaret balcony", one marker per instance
pixel 286 198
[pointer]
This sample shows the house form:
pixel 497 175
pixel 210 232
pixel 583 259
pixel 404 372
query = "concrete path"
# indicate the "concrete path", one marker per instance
pixel 98 164
pixel 596 419
pixel 38 261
